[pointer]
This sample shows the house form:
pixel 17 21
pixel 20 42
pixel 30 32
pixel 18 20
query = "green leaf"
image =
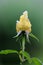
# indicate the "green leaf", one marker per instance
pixel 31 35
pixel 26 55
pixel 36 61
pixel 8 51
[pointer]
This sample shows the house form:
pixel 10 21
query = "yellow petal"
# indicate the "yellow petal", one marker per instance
pixel 24 23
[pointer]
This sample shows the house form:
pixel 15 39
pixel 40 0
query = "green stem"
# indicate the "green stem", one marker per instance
pixel 23 46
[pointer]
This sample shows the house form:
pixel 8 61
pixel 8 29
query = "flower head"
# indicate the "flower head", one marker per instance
pixel 24 23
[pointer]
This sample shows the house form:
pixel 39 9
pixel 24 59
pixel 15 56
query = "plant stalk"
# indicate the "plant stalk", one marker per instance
pixel 23 47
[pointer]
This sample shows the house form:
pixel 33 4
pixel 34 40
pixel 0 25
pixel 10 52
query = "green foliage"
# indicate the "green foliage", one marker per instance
pixel 33 36
pixel 23 52
pixel 33 60
pixel 8 51
pixel 26 55
pixel 15 36
pixel 36 61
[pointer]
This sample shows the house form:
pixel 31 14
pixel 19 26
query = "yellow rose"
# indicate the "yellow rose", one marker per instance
pixel 23 24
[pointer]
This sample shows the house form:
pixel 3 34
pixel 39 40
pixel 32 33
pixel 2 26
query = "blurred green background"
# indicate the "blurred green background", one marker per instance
pixel 10 11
